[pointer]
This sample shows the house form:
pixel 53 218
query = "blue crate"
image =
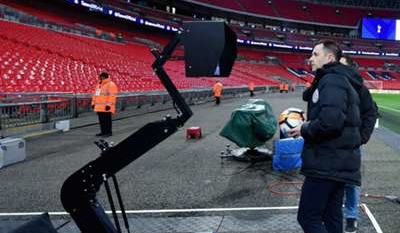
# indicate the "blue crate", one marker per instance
pixel 287 154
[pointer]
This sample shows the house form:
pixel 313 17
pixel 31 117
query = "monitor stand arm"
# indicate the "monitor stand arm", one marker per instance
pixel 78 192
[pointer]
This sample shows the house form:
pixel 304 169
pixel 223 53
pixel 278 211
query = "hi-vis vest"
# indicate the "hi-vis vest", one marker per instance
pixel 284 87
pixel 217 89
pixel 105 95
pixel 251 86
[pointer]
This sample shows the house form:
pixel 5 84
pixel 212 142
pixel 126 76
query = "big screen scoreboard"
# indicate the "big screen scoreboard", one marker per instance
pixel 380 29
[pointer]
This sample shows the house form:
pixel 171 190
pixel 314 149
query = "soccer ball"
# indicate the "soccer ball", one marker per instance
pixel 289 119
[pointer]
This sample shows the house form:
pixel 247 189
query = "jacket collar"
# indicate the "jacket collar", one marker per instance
pixel 105 81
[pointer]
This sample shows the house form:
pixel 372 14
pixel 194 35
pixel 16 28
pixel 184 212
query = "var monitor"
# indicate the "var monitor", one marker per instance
pixel 210 49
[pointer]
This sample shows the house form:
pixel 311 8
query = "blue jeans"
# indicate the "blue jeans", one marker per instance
pixel 320 207
pixel 352 194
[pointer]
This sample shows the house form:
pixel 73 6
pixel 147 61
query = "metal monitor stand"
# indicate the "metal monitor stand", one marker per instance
pixel 78 193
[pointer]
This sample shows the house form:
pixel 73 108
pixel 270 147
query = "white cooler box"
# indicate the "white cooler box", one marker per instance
pixel 12 150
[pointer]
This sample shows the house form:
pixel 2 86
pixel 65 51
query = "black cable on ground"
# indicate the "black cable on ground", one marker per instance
pixel 62 225
pixel 391 198
pixel 272 187
pixel 219 225
pixel 237 172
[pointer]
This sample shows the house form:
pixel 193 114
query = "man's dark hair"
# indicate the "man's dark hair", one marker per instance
pixel 332 47
pixel 103 75
pixel 349 60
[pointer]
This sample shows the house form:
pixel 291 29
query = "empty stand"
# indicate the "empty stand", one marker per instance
pixel 304 11
pixel 34 59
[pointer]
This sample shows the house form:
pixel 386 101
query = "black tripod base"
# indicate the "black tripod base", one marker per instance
pixel 248 154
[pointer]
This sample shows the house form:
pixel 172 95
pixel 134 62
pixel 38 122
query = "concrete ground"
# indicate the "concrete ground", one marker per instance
pixel 189 175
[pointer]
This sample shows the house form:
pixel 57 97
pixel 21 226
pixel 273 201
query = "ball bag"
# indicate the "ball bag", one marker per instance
pixel 287 154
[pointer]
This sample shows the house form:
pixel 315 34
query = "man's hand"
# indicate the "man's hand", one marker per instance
pixel 295 132
pixel 108 108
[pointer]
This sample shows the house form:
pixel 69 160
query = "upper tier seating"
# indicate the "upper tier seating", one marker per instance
pixel 304 11
pixel 66 62
pixel 34 59
pixel 287 9
pixel 260 5
pixel 234 5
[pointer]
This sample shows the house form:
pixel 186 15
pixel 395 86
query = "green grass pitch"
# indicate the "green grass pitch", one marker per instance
pixel 389 109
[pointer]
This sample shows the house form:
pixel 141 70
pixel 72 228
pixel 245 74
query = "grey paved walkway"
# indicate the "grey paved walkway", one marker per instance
pixel 187 174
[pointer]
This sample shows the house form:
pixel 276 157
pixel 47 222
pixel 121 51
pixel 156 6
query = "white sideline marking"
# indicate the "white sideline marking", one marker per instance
pixel 392 109
pixel 164 211
pixel 364 206
pixel 372 218
pixel 213 209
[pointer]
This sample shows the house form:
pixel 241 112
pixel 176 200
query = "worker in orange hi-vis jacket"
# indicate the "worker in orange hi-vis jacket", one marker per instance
pixel 286 87
pixel 217 92
pixel 251 88
pixel 103 102
pixel 281 87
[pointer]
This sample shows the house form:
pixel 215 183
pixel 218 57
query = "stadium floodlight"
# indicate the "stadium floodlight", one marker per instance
pixel 213 44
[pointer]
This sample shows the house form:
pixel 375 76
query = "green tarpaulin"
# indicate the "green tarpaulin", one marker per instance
pixel 251 125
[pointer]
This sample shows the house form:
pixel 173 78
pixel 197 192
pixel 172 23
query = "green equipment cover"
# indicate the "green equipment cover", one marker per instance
pixel 251 125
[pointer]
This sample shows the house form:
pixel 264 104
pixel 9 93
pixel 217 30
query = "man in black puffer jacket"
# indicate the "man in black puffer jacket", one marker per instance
pixel 331 156
pixel 369 114
pixel 368 107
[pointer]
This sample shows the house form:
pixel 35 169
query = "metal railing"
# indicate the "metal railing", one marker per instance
pixel 25 109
